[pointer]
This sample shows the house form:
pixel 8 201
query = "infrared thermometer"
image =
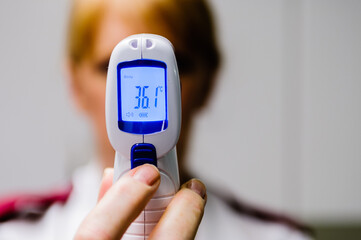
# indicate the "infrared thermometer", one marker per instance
pixel 143 118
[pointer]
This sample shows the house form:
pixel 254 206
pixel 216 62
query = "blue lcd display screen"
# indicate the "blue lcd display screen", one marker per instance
pixel 142 96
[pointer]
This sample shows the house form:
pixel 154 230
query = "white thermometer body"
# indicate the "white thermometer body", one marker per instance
pixel 143 118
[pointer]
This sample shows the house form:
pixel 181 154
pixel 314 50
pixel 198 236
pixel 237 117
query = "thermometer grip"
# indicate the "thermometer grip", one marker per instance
pixel 143 225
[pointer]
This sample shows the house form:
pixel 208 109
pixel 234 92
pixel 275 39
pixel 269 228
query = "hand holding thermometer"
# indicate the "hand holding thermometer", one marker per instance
pixel 143 118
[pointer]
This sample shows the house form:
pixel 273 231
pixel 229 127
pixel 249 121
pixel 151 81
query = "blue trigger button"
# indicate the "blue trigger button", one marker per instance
pixel 142 153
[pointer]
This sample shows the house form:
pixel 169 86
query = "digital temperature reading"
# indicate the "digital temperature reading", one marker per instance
pixel 143 102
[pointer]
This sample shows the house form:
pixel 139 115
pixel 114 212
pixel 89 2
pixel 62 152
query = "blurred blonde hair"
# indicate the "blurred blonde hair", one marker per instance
pixel 188 22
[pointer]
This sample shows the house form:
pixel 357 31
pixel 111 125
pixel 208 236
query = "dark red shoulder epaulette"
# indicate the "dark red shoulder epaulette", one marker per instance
pixel 31 206
pixel 252 211
pixel 261 214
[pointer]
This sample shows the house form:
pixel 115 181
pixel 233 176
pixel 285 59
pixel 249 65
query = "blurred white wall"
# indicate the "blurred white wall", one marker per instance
pixel 331 110
pixel 32 94
pixel 283 129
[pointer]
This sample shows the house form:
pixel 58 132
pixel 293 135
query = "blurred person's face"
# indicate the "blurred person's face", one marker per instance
pixel 89 82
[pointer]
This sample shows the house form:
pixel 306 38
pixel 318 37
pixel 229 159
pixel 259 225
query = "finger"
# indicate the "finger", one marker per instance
pixel 120 205
pixel 106 183
pixel 181 219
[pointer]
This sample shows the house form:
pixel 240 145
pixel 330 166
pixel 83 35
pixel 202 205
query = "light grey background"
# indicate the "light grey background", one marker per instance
pixel 283 129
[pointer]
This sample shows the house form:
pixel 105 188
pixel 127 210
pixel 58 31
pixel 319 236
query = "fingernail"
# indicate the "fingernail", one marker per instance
pixel 147 174
pixel 197 187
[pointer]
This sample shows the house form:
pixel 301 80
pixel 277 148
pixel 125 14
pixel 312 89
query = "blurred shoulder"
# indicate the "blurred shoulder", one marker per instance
pixel 222 222
pixel 51 214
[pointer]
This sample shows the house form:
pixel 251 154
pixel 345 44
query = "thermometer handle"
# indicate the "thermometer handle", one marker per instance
pixel 169 184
